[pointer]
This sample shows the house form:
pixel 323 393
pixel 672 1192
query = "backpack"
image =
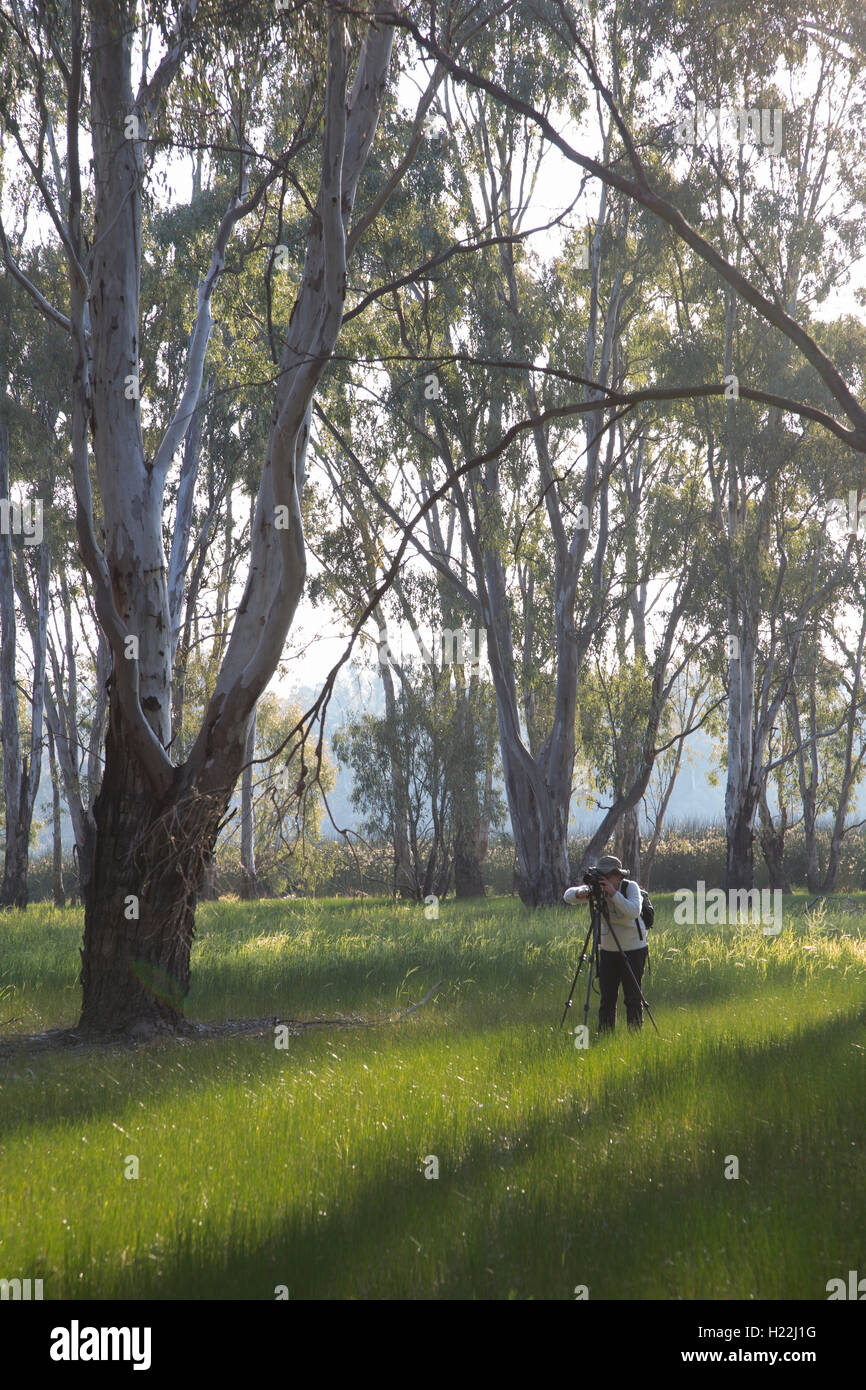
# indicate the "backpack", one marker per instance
pixel 647 912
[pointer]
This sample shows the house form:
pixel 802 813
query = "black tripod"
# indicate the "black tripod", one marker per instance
pixel 594 932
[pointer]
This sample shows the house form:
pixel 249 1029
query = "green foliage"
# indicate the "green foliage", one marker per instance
pixel 288 808
pixel 423 768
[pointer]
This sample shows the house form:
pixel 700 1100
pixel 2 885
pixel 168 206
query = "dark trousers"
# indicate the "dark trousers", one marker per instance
pixel 613 972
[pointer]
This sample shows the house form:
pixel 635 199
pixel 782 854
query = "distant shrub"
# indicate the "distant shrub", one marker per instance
pixel 688 852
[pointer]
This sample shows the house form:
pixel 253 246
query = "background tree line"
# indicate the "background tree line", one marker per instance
pixel 573 391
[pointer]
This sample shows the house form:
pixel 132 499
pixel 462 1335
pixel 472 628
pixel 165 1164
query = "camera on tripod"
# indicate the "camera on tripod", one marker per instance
pixel 594 881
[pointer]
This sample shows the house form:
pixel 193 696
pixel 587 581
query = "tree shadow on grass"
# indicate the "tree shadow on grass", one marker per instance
pixel 623 1241
pixel 477 1010
pixel 363 983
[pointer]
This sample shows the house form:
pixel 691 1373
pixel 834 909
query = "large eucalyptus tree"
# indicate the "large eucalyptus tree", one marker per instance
pixel 156 822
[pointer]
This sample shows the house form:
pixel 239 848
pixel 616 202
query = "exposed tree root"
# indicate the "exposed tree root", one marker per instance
pixel 148 1034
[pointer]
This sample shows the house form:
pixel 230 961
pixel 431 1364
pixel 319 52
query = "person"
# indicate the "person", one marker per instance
pixel 622 912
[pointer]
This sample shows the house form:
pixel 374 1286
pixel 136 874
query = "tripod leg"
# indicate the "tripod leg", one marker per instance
pixel 574 982
pixel 593 961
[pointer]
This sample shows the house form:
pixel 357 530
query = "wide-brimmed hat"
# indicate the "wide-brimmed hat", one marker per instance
pixel 608 864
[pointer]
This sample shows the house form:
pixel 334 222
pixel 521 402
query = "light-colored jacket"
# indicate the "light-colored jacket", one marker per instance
pixel 624 910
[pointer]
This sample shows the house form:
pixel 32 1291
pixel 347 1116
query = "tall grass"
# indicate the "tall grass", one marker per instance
pixel 557 1166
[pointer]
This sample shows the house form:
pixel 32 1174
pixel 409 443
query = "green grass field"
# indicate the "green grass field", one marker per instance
pixel 558 1166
